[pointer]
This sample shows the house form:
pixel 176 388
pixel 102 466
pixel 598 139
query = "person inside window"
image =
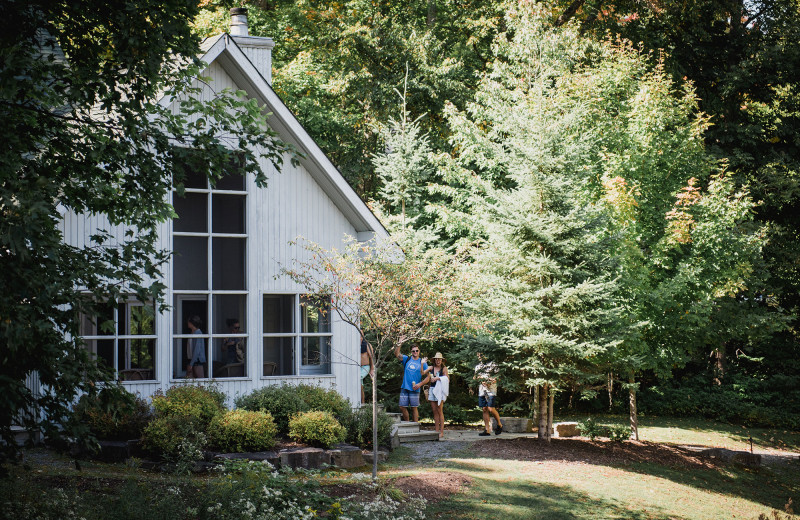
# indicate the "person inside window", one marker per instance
pixel 196 348
pixel 234 347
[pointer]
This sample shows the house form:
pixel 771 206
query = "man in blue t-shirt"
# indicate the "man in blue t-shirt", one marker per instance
pixel 412 380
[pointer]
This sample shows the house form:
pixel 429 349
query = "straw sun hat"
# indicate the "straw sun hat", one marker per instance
pixel 438 356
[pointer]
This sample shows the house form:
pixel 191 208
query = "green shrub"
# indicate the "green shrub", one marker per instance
pixel 323 400
pixel 455 415
pixel 114 414
pixel 282 402
pixel 316 428
pixel 359 428
pixel 242 430
pixel 590 428
pixel 183 413
pixel 619 432
pixel 196 403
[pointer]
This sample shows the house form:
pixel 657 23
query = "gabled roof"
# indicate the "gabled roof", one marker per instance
pixel 224 50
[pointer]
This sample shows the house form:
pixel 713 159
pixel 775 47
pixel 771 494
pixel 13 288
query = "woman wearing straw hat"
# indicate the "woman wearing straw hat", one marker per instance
pixel 440 388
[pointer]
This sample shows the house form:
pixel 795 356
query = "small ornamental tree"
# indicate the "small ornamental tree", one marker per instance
pixel 390 297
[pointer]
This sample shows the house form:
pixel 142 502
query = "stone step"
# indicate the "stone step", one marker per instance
pixel 396 417
pixel 404 427
pixel 419 437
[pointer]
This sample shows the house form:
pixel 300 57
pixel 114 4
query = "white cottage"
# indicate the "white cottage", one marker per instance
pixel 230 242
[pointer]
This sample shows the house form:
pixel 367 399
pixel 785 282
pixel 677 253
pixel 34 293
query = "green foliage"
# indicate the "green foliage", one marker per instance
pixel 322 399
pixel 619 432
pixel 738 400
pixel 114 414
pixel 196 403
pixel 182 416
pixel 238 431
pixel 590 428
pixel 282 402
pixel 455 414
pixel 317 429
pixel 359 428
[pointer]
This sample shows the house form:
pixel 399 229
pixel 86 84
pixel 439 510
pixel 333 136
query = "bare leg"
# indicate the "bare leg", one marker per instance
pixel 486 421
pixel 493 411
pixel 415 414
pixel 362 392
pixel 435 414
pixel 441 420
pixel 404 412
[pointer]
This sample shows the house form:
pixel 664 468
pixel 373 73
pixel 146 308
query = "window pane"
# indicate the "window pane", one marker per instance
pixel 191 178
pixel 278 313
pixel 316 315
pixel 186 306
pixel 136 319
pixel 316 355
pixel 230 310
pixel 101 324
pixel 230 357
pixel 187 349
pixel 102 350
pixel 192 210
pixel 278 357
pixel 233 180
pixel 137 359
pixel 229 264
pixel 228 214
pixel 191 262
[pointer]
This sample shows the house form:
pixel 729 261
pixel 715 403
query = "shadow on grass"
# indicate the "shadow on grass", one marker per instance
pixel 515 500
pixel 770 487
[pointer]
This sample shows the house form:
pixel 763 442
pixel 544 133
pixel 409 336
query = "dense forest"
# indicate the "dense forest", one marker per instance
pixel 625 171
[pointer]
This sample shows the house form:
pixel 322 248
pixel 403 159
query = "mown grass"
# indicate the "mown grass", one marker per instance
pixel 550 489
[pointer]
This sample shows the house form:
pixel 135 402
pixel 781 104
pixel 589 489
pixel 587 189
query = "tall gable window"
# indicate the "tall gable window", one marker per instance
pixel 209 243
pixel 122 337
pixel 297 335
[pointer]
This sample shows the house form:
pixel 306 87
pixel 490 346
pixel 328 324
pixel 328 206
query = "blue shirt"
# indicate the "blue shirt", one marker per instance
pixel 412 374
pixel 198 349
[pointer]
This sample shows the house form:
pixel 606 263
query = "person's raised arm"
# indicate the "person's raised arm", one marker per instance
pixel 397 353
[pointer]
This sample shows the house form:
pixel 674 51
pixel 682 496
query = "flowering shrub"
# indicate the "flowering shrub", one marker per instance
pixel 282 402
pixel 359 428
pixel 242 430
pixel 115 414
pixel 619 432
pixel 317 429
pixel 590 428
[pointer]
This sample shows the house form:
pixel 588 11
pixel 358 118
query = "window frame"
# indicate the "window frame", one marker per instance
pixel 297 337
pixel 116 338
pixel 208 294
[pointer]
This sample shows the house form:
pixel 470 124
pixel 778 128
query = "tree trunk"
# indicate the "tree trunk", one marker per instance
pixel 720 364
pixel 375 423
pixel 542 412
pixel 431 18
pixel 634 418
pixel 549 431
pixel 610 386
pixel 536 405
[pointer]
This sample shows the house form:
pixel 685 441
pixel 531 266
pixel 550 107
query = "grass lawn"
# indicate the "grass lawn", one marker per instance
pixel 557 489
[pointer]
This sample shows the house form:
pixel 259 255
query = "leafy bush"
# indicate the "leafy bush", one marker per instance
pixel 619 432
pixel 590 428
pixel 183 414
pixel 282 402
pixel 242 430
pixel 115 414
pixel 323 400
pixel 359 428
pixel 316 428
pixel 193 402
pixel 455 415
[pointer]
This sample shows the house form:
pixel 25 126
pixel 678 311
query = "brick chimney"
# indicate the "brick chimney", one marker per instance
pixel 257 48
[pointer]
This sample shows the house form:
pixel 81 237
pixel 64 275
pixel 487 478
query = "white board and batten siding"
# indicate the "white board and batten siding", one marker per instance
pixel 309 200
